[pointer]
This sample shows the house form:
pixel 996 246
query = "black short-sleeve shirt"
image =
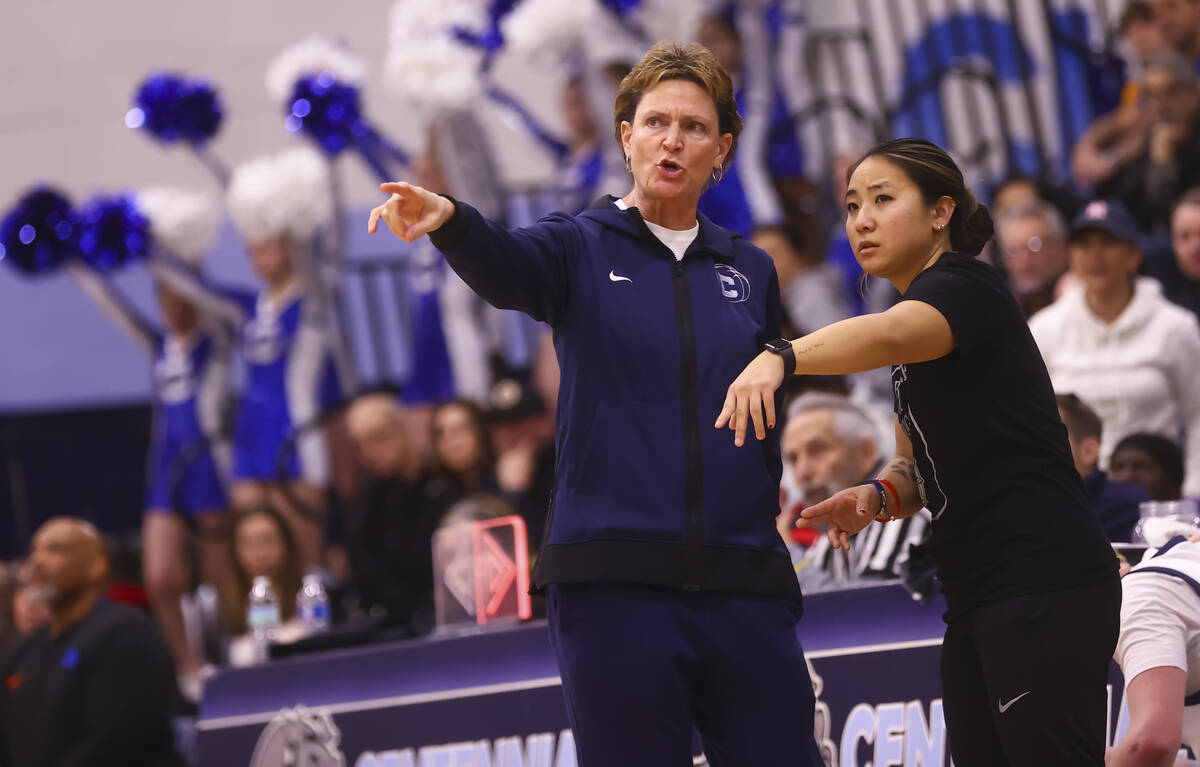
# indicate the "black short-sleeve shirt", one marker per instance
pixel 995 469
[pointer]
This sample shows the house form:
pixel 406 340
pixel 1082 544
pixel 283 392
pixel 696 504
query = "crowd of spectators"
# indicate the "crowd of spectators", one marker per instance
pixel 1106 270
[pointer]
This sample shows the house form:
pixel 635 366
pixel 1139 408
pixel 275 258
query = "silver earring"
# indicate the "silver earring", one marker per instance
pixel 718 174
pixel 628 165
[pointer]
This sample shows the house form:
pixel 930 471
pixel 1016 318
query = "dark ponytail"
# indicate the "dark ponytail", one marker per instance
pixel 936 175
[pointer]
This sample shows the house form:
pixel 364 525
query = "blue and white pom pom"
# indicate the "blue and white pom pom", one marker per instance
pixel 110 232
pixel 309 58
pixel 428 64
pixel 35 235
pixel 175 108
pixel 547 27
pixel 489 39
pixel 317 84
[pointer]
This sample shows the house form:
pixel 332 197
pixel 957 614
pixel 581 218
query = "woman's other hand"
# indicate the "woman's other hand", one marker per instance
pixel 846 512
pixel 751 396
pixel 411 211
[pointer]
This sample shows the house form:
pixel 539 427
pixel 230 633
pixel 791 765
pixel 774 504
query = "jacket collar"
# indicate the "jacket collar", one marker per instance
pixel 711 239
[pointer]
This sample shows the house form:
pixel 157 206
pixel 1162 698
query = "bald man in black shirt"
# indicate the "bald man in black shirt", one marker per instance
pixel 94 686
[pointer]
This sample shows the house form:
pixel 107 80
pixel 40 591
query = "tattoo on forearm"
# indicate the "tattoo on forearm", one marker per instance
pixel 905 468
pixel 807 349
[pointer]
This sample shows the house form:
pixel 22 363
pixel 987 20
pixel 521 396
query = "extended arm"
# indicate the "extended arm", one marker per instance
pixel 522 270
pixel 901 471
pixel 911 331
pixel 1155 699
pixel 217 302
pixel 115 306
pixel 849 511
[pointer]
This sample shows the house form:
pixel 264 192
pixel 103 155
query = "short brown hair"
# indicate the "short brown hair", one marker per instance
pixel 1137 11
pixel 671 61
pixel 1191 197
pixel 1081 421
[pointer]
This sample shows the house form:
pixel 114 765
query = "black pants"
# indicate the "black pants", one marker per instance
pixel 1023 679
pixel 642 666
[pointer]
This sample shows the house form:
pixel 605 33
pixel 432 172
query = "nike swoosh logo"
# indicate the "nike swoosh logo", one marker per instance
pixel 617 278
pixel 1006 706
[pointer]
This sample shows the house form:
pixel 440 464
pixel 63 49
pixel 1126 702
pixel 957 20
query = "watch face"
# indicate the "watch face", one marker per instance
pixel 777 345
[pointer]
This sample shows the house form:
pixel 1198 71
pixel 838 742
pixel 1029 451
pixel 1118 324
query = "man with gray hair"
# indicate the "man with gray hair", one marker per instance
pixel 831 443
pixel 1033 247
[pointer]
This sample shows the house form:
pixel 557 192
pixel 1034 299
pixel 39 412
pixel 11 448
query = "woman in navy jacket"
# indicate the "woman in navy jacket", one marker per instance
pixel 672 601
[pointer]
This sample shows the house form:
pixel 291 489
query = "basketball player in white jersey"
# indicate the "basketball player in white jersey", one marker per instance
pixel 1159 654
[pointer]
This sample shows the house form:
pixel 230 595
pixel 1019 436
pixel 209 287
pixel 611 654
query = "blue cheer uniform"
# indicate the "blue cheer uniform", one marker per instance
pixel 290 380
pixel 188 464
pixel 287 343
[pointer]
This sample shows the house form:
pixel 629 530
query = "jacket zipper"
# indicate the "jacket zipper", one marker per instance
pixel 693 497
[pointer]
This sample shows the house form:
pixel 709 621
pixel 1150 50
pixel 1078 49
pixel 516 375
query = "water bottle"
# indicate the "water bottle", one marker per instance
pixel 262 616
pixel 312 604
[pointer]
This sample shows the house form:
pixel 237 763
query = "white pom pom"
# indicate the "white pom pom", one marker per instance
pixel 425 64
pixel 440 74
pixel 310 57
pixel 287 194
pixel 183 222
pixel 537 27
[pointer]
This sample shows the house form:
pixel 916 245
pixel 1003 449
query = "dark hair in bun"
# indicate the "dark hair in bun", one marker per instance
pixel 936 175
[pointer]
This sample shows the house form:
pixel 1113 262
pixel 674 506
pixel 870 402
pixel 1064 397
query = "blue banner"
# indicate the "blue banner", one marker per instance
pixel 494 699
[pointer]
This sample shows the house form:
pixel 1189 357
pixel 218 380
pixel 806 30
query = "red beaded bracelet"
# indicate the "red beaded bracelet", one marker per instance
pixel 895 496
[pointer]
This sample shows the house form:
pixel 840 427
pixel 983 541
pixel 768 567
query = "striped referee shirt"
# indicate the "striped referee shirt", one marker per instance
pixel 875 553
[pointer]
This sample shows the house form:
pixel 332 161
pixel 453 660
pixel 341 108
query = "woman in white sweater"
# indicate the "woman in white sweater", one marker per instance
pixel 1117 343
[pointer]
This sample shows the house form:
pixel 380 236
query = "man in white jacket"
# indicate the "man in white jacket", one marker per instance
pixel 1117 343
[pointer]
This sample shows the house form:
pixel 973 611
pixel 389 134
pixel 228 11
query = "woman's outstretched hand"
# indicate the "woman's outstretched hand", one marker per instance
pixel 411 211
pixel 846 511
pixel 751 395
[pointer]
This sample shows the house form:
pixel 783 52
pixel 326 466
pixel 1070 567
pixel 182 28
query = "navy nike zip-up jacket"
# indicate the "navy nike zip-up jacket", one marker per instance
pixel 646 490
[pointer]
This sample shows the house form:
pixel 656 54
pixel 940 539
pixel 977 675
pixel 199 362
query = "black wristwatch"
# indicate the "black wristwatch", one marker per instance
pixel 783 348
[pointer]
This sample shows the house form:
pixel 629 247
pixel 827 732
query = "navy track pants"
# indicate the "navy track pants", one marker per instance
pixel 642 666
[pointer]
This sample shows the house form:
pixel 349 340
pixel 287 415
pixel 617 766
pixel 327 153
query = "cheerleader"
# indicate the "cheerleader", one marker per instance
pixel 188 466
pixel 283 208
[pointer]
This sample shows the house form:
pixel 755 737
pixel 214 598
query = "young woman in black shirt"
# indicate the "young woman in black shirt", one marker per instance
pixel 1031 585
